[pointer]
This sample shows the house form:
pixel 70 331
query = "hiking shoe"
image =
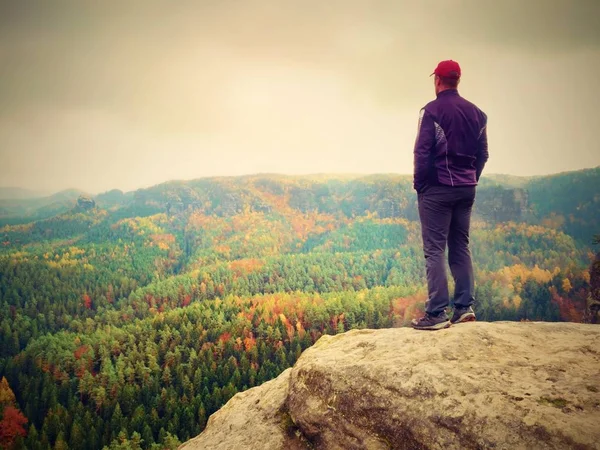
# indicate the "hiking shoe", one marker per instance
pixel 463 315
pixel 429 322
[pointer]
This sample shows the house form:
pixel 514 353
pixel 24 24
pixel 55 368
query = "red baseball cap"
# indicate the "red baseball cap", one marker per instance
pixel 447 69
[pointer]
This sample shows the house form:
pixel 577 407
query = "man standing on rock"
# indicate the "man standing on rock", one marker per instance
pixel 450 152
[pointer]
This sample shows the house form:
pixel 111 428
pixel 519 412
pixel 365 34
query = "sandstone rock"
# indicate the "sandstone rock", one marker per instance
pixel 499 204
pixel 85 203
pixel 254 419
pixel 501 385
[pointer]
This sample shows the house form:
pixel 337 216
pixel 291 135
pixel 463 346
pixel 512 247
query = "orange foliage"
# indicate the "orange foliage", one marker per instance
pixel 87 301
pixel 80 351
pixel 568 310
pixel 249 342
pixel 288 326
pixel 300 329
pixel 555 221
pixel 225 337
pixel 278 202
pixel 401 305
pixel 241 267
pixel 60 375
pixel 225 249
pixel 311 223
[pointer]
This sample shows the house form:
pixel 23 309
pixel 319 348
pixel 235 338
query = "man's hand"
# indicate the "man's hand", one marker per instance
pixel 482 151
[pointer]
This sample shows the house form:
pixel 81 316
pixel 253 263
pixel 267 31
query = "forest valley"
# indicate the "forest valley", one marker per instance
pixel 127 319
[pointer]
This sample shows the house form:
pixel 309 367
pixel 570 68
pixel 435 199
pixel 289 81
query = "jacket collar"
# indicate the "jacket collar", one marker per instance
pixel 448 92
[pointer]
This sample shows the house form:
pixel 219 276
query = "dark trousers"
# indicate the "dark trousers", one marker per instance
pixel 445 213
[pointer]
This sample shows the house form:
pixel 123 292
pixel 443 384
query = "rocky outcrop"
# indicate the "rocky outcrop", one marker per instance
pixel 593 302
pixel 253 419
pixel 497 385
pixel 85 203
pixel 499 204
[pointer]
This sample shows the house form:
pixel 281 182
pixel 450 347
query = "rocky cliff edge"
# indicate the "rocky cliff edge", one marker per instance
pixel 503 385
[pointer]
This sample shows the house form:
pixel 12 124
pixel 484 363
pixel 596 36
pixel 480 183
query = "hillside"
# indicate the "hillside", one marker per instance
pixel 477 385
pixel 566 201
pixel 136 316
pixel 26 209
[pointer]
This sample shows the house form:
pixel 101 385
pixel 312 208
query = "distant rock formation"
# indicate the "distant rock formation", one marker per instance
pixel 85 203
pixel 498 385
pixel 499 204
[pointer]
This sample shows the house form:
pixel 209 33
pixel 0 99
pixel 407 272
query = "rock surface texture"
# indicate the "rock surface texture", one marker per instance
pixel 85 203
pixel 502 385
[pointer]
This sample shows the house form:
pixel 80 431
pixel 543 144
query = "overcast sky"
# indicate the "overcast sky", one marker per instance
pixel 126 94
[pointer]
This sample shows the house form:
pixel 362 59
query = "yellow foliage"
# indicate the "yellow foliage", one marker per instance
pixel 75 251
pixel 586 275
pixel 566 285
pixel 17 228
pixel 517 301
pixel 19 256
pixel 521 273
pixel 7 396
pixel 540 275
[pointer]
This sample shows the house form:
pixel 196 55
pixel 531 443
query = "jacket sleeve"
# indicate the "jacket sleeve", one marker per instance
pixel 482 150
pixel 424 146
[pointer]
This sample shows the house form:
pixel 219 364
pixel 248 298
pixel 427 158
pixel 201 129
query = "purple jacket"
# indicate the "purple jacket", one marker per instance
pixel 451 147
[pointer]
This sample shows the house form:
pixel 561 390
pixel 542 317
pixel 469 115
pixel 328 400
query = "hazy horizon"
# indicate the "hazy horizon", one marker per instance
pixel 101 96
pixel 47 193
